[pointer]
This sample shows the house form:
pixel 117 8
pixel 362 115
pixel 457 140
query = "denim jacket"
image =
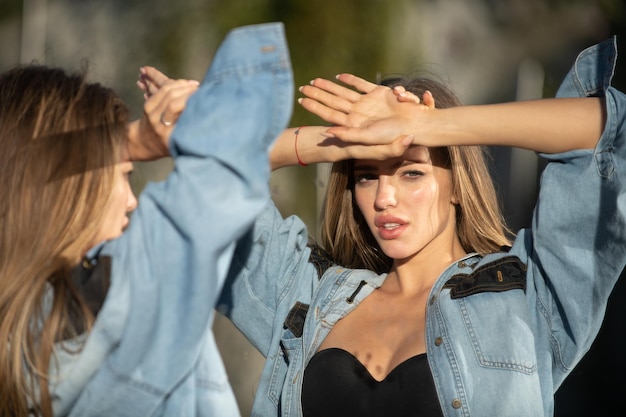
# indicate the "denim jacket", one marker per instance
pixel 151 351
pixel 502 331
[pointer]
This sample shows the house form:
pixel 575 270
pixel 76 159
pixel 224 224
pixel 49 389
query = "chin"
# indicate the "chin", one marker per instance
pixel 398 250
pixel 396 253
pixel 118 234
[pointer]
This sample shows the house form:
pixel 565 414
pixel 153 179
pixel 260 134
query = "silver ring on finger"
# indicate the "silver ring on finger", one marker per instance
pixel 166 123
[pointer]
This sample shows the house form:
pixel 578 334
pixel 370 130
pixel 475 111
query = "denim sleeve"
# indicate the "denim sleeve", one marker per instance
pixel 168 268
pixel 269 272
pixel 577 248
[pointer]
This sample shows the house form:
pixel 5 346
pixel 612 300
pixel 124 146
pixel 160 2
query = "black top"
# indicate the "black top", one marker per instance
pixel 336 384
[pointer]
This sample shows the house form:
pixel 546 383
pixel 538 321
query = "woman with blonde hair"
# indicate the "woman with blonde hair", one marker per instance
pixel 99 316
pixel 63 141
pixel 424 307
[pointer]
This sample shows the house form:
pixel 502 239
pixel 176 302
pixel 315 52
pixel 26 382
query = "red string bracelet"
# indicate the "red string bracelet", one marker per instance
pixel 295 144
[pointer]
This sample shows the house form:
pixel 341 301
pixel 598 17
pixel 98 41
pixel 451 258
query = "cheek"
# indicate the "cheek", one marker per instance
pixel 443 189
pixel 131 199
pixel 364 202
pixel 119 201
pixel 426 205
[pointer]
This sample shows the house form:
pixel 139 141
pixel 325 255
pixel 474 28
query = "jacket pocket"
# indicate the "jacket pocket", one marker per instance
pixel 499 330
pixel 290 351
pixel 494 313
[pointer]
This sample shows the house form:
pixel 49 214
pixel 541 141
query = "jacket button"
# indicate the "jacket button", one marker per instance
pixel 456 403
pixel 438 341
pixel 432 299
pixel 462 264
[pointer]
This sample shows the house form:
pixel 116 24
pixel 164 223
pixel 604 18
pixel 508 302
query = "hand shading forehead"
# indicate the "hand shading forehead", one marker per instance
pixel 415 154
pixel 418 153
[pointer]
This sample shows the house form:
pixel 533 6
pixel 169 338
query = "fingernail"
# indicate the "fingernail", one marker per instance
pixel 300 100
pixel 300 88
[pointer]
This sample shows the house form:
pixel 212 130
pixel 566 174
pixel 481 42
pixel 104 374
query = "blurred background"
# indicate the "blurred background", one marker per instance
pixel 486 50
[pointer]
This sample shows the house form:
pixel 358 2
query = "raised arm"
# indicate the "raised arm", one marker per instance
pixel 377 114
pixel 154 329
pixel 312 144
pixel 165 101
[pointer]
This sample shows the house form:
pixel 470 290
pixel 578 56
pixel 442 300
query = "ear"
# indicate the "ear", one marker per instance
pixel 454 199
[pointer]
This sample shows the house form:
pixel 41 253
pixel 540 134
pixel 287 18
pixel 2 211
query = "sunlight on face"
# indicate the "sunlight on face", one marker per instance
pixel 121 203
pixel 407 203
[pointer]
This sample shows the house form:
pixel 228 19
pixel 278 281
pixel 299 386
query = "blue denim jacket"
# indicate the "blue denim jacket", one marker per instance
pixel 151 351
pixel 502 331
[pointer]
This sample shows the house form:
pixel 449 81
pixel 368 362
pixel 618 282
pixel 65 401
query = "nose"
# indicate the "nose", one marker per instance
pixel 385 193
pixel 131 203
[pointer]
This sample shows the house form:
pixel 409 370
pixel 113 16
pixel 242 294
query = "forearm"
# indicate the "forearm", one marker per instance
pixel 548 125
pixel 313 145
pixel 380 115
pixel 309 147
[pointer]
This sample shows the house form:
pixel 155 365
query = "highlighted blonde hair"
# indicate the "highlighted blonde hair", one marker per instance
pixel 60 138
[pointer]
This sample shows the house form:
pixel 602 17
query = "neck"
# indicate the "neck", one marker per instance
pixel 419 273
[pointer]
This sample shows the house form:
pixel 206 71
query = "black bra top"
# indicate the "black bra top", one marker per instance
pixel 336 384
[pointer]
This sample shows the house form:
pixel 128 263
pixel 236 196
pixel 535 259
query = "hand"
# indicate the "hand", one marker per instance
pixel 379 116
pixel 151 80
pixel 165 100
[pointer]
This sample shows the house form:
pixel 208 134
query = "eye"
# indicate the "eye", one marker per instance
pixel 364 178
pixel 127 169
pixel 412 173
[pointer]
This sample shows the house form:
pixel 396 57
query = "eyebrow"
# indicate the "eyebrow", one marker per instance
pixel 395 166
pixel 363 167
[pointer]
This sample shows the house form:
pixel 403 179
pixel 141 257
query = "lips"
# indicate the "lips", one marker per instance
pixel 389 227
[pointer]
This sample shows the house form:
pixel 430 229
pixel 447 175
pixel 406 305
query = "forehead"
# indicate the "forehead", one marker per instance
pixel 418 154
pixel 415 154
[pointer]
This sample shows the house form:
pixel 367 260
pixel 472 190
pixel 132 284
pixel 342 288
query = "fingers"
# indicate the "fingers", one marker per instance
pixel 153 75
pixel 324 112
pixel 326 98
pixel 166 104
pixel 405 96
pixel 176 104
pixel 352 135
pixel 394 149
pixel 429 100
pixel 336 89
pixel 149 138
pixel 152 80
pixel 359 83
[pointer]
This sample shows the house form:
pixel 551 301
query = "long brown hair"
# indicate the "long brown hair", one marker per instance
pixel 60 138
pixel 480 225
